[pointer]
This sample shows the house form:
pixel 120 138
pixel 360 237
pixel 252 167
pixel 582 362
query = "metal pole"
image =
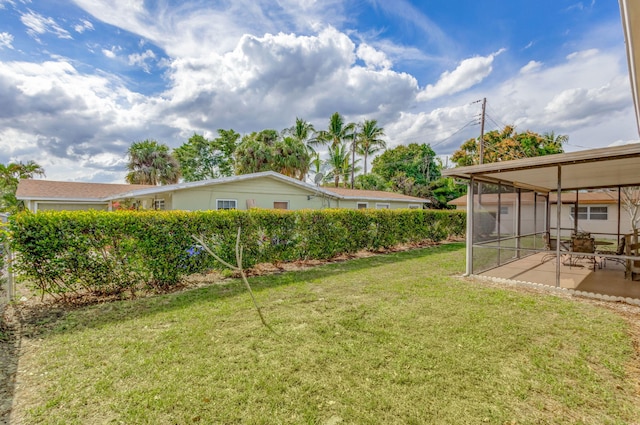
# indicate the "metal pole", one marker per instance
pixel 558 217
pixel 469 250
pixel 518 220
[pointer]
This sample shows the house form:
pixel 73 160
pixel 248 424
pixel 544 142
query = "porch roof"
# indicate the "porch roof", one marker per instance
pixel 588 169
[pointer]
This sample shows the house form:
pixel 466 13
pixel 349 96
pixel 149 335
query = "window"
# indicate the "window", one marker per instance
pixel 504 210
pixel 382 206
pixel 158 204
pixel 583 213
pixel 414 206
pixel 281 205
pixel 591 213
pixel 226 204
pixel 363 205
pixel 598 213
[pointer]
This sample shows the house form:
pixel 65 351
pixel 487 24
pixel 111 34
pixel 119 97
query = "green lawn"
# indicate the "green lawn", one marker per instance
pixel 394 339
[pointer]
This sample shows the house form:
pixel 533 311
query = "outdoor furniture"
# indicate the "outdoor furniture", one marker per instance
pixel 583 242
pixel 631 248
pixel 550 244
pixel 618 251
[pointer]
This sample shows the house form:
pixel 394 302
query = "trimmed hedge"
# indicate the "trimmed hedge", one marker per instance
pixel 112 252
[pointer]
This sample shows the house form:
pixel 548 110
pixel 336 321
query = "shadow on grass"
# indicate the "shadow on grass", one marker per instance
pixel 43 320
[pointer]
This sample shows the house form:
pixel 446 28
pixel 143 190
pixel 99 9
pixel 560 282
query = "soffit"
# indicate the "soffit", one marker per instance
pixel 594 168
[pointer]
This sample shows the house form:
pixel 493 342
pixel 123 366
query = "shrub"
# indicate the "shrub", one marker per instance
pixel 113 252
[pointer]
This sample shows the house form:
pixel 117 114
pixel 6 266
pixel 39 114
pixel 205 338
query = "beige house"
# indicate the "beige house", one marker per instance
pixel 258 190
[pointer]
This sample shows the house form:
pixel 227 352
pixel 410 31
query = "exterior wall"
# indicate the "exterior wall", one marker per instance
pixel 262 193
pixel 606 229
pixel 59 206
pixel 599 228
pixel 148 203
pixel 353 204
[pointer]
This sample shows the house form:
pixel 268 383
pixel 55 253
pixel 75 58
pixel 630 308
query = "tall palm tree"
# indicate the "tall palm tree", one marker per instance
pixel 369 140
pixel 302 131
pixel 151 163
pixel 305 133
pixel 337 132
pixel 338 165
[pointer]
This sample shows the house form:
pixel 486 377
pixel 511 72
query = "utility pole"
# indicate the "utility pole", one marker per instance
pixel 484 108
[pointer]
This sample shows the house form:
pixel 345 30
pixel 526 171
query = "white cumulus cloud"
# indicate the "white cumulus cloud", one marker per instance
pixel 469 73
pixel 140 59
pixel 373 59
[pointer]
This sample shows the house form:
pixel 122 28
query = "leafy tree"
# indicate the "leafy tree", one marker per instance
pixel 415 161
pixel 255 152
pixel 202 159
pixel 445 189
pixel 506 145
pixel 369 140
pixel 10 176
pixel 265 151
pixel 370 181
pixel 152 163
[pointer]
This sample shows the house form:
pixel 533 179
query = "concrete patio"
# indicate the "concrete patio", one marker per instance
pixel 608 280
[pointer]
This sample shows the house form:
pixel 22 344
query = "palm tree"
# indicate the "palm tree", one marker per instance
pixel 10 176
pixel 369 140
pixel 305 133
pixel 302 131
pixel 292 158
pixel 337 133
pixel 338 164
pixel 151 163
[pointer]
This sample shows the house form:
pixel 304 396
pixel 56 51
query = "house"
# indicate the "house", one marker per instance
pixel 597 211
pixel 258 190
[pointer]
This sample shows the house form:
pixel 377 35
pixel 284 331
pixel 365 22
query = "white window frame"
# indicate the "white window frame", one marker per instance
pixel 366 205
pixel 415 206
pixel 284 202
pixel 604 214
pixel 235 203
pixel 383 206
pixel 159 204
pixel 585 212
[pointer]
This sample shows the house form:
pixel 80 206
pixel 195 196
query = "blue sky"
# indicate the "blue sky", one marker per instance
pixel 81 80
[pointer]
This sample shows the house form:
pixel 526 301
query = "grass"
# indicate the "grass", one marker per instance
pixel 387 339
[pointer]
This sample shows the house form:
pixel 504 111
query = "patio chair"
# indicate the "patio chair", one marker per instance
pixel 586 245
pixel 619 251
pixel 550 244
pixel 631 248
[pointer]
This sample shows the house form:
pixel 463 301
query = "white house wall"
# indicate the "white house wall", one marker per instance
pixel 607 229
pixel 262 193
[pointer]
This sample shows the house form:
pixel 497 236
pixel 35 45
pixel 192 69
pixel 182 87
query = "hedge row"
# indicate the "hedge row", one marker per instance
pixel 111 252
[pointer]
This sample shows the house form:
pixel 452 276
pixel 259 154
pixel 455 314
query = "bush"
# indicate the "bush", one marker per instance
pixel 113 252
